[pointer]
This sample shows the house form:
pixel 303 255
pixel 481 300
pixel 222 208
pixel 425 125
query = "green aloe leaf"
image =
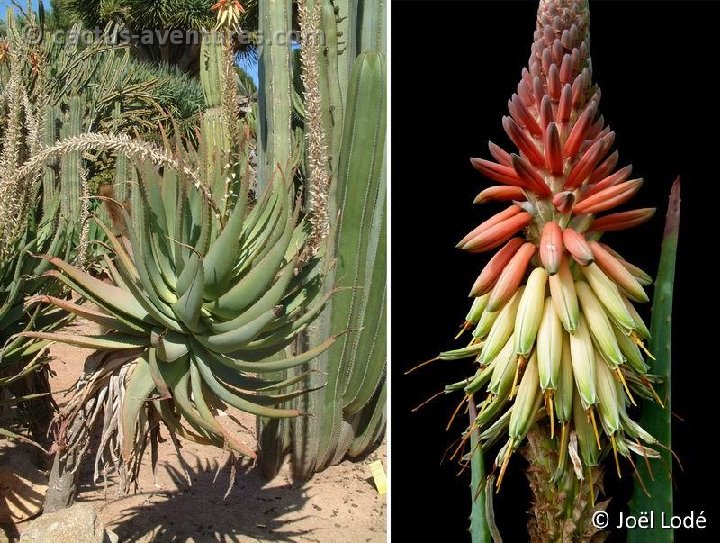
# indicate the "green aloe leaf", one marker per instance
pixel 658 492
pixel 116 342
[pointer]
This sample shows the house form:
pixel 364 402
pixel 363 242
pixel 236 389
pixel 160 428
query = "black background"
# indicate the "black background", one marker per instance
pixel 454 67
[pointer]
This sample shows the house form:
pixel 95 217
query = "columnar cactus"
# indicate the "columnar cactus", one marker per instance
pixel 553 319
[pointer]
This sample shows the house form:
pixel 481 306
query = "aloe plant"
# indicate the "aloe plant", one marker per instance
pixel 204 296
pixel 209 289
pixel 23 360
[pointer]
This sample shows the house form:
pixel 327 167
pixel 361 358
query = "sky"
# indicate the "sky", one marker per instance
pixel 251 67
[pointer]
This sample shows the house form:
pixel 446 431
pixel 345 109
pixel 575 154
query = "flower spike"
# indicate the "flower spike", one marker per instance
pixel 552 312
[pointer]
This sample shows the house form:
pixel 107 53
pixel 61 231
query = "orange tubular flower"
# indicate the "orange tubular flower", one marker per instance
pixel 552 283
pixel 229 12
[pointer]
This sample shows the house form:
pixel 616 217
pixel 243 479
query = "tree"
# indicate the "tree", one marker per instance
pixel 149 22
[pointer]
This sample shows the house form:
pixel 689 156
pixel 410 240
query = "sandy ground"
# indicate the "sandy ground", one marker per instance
pixel 339 505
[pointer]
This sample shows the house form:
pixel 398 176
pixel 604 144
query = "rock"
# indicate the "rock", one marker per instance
pixel 22 486
pixel 76 524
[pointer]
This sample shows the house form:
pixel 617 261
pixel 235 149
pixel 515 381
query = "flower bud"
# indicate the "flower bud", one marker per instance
pixel 549 347
pixel 608 294
pixel 562 290
pixel 530 312
pixel 501 328
pixel 599 324
pixel 526 403
pixel 583 363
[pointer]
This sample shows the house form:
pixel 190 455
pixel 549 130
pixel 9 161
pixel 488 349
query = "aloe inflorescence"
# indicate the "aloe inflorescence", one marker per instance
pixel 554 328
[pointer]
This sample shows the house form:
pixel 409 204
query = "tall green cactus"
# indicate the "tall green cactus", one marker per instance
pixel 71 163
pixel 357 366
pixel 275 101
pixel 349 411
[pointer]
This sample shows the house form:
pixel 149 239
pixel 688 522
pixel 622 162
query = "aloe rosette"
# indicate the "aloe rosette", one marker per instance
pixel 554 328
pixel 205 296
pixel 20 277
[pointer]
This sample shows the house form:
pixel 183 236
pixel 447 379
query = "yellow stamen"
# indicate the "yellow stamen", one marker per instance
pixel 431 398
pixel 639 477
pixel 648 384
pixel 550 408
pixel 522 361
pixel 421 365
pixel 503 467
pixel 640 343
pixel 591 418
pixel 621 378
pixel 463 441
pixel 564 440
pixel 457 409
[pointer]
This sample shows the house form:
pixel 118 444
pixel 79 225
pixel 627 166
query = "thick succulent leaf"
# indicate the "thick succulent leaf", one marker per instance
pixel 189 273
pixel 177 375
pixel 180 391
pixel 233 340
pixel 180 250
pixel 269 300
pixel 198 396
pixel 103 319
pixel 11 313
pixel 129 274
pixel 222 255
pixel 289 325
pixel 251 287
pixel 237 379
pixel 121 255
pixel 156 237
pixel 110 342
pixel 234 398
pixel 254 362
pixel 168 193
pixel 101 293
pixel 286 221
pixel 156 374
pixel 189 305
pixel 254 249
pixel 153 286
pixel 170 346
pixel 58 241
pixel 657 492
pixel 262 220
pixel 137 391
